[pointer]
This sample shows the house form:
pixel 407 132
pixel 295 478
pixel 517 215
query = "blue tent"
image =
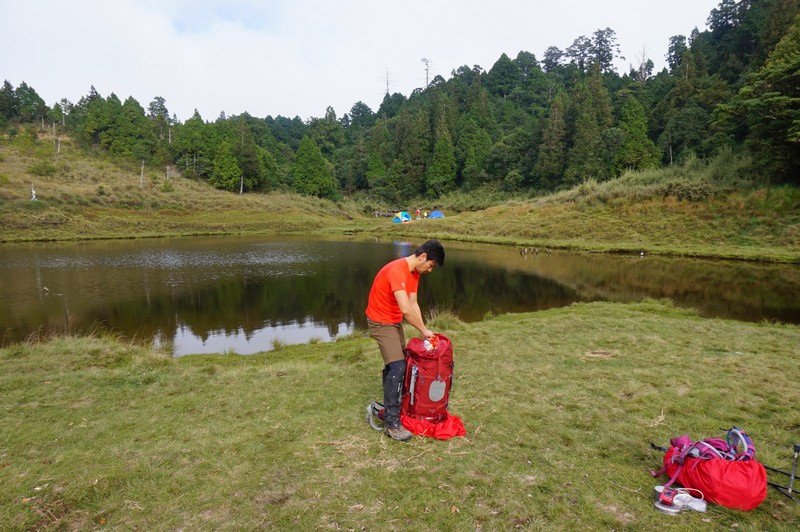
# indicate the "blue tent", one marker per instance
pixel 436 214
pixel 401 217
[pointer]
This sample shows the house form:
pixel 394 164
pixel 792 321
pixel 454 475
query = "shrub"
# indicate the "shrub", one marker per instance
pixel 167 186
pixel 101 191
pixel 42 169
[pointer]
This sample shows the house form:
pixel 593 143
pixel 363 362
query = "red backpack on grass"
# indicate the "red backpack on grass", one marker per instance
pixel 426 390
pixel 725 471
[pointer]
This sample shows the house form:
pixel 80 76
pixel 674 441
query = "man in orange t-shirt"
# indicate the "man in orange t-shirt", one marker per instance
pixel 392 299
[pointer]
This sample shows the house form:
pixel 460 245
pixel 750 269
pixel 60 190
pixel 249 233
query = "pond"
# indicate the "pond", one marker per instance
pixel 247 294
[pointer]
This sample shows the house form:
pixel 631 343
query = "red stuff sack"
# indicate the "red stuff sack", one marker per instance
pixel 426 390
pixel 737 484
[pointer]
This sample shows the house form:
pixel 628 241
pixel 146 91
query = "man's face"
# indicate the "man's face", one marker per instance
pixel 424 265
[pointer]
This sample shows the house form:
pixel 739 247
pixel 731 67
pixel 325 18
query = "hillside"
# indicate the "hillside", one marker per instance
pixel 696 209
pixel 83 195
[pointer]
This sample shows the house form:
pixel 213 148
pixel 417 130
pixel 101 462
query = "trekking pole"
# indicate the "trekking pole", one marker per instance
pixel 787 490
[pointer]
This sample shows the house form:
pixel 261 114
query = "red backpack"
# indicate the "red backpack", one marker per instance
pixel 426 390
pixel 725 471
pixel 429 377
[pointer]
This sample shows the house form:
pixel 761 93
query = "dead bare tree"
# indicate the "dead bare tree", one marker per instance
pixel 427 69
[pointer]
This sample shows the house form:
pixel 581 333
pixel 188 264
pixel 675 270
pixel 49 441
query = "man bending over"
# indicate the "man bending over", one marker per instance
pixel 392 299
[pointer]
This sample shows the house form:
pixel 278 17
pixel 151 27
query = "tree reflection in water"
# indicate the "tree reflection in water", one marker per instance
pixel 242 293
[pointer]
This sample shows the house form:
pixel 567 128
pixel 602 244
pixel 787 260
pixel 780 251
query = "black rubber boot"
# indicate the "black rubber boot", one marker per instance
pixel 393 375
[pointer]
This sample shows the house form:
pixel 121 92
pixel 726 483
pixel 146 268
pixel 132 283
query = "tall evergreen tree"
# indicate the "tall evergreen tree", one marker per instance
pixel 552 159
pixel 30 106
pixel 441 172
pixel 770 106
pixel 311 173
pixel 637 151
pixel 585 159
pixel 8 101
pixel 226 173
pixel 503 76
pixel 411 137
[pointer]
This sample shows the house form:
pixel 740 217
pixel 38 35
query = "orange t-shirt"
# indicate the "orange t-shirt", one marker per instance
pixel 382 305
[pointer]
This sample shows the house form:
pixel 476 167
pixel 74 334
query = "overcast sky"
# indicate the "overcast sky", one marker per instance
pixel 298 57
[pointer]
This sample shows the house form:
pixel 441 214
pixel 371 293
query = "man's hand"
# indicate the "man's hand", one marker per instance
pixel 427 333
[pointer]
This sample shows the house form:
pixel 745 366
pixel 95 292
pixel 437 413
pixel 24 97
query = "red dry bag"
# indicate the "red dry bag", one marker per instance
pixel 739 484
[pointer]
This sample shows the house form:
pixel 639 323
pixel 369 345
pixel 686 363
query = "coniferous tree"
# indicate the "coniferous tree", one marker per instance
pixel 377 176
pixel 226 172
pixel 472 150
pixel 636 151
pixel 584 160
pixel 311 173
pixel 503 76
pixel 441 172
pixel 770 106
pixel 193 152
pixel 8 101
pixel 29 105
pixel 552 159
pixel 552 58
pixel 605 49
pixel 249 158
pixel 677 47
pixel 411 137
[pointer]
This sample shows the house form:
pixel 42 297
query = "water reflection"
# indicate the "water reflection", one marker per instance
pixel 243 293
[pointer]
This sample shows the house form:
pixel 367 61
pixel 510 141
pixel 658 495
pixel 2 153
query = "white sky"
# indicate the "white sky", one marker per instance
pixel 296 58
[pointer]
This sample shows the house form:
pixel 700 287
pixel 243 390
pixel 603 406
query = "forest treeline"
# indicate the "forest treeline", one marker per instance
pixel 526 124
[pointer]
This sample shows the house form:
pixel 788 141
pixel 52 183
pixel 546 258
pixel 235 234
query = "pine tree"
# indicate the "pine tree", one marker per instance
pixel 8 101
pixel 226 173
pixel 249 158
pixel 29 104
pixel 770 106
pixel 441 172
pixel 377 174
pixel 193 151
pixel 585 159
pixel 637 151
pixel 310 173
pixel 472 150
pixel 503 76
pixel 411 136
pixel 553 150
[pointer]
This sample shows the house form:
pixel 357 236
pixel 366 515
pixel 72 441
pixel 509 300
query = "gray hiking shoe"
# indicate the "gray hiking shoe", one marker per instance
pixel 398 433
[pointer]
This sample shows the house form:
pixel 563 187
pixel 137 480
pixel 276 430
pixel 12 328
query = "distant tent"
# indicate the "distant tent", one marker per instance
pixel 436 214
pixel 401 217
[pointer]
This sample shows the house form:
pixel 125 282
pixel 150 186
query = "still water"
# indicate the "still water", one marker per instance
pixel 242 294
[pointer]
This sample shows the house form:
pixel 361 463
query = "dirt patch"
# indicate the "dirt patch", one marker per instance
pixel 600 354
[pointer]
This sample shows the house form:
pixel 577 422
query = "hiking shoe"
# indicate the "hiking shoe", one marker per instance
pixel 398 433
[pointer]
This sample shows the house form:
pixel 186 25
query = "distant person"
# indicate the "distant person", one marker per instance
pixel 416 214
pixel 424 214
pixel 393 298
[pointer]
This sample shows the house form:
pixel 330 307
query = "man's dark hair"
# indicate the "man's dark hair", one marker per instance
pixel 434 250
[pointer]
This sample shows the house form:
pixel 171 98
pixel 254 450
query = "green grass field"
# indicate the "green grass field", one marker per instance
pixel 560 406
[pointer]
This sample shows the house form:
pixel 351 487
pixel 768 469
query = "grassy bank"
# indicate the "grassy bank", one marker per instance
pixel 698 209
pixel 86 196
pixel 702 209
pixel 560 406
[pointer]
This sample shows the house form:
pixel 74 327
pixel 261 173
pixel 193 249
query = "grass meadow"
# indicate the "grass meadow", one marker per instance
pixel 560 407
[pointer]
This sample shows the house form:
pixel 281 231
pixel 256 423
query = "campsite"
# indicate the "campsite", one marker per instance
pixel 312 265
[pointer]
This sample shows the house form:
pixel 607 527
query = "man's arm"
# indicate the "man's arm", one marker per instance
pixel 411 312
